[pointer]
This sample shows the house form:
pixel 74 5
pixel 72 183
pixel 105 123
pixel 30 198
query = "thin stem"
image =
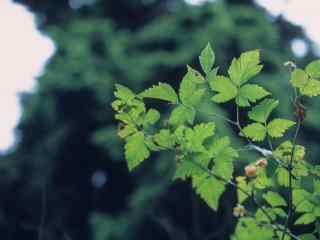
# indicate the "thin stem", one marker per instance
pixel 268 138
pixel 290 168
pixel 239 126
pixel 270 143
pixel 238 116
pixel 215 115
pixel 288 232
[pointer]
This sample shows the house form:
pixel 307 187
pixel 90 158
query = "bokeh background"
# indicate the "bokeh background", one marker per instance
pixel 65 177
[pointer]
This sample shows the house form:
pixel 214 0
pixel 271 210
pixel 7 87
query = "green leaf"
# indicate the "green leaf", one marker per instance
pixel 317 185
pixel 223 164
pixel 250 93
pixel 278 126
pixel 299 153
pixel 299 195
pixel 192 165
pixel 313 69
pixel 305 219
pixel 181 115
pixel 223 156
pixel 203 131
pixel 212 74
pixel 316 211
pixel 207 59
pixel 242 101
pixel 243 184
pixel 151 145
pixel 127 131
pixel 209 188
pixel 179 133
pixel 186 168
pixel 261 217
pixel 283 177
pixel 307 182
pixel 165 139
pixel 307 236
pixel 197 96
pixel 274 199
pixel 135 150
pixel 311 89
pixel 137 111
pixel 162 91
pixel 304 206
pixel 123 117
pixel 196 136
pixel 300 169
pixel 217 146
pixel 190 94
pixel 306 81
pixel 261 112
pixel 254 131
pixel 284 150
pixel 197 76
pixel 248 228
pixel 151 117
pixel 261 181
pixel 299 78
pixel 116 105
pixel 124 93
pixel 246 67
pixel 279 212
pixel 225 88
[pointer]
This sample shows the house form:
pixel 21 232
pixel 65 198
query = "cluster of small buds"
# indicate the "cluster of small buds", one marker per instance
pixel 239 211
pixel 250 170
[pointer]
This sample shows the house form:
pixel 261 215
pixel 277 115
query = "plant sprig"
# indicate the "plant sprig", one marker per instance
pixel 208 159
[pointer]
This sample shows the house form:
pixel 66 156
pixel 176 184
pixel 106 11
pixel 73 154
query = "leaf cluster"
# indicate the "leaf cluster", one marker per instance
pixel 208 159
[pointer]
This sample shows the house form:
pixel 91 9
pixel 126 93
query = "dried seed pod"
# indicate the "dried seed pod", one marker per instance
pixel 250 170
pixel 262 162
pixel 300 110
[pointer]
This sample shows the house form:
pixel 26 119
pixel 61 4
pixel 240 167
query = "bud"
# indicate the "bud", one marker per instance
pixel 239 211
pixel 250 170
pixel 291 65
pixel 262 162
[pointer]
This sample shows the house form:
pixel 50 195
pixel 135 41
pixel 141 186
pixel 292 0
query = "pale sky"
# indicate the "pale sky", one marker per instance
pixel 24 51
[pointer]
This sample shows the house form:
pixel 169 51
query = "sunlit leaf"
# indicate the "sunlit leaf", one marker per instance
pixel 225 88
pixel 246 67
pixel 162 91
pixel 136 150
pixel 278 126
pixel 207 59
pixel 274 199
pixel 313 69
pixel 254 131
pixel 261 112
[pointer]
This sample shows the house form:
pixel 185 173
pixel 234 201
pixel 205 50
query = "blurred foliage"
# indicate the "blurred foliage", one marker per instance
pixel 67 134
